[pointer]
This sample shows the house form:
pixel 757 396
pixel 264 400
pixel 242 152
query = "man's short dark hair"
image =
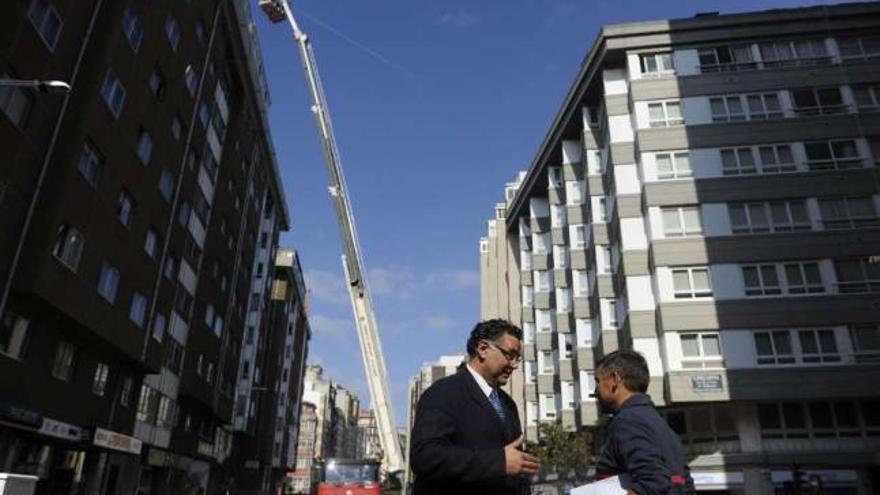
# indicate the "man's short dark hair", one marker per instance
pixel 629 365
pixel 491 330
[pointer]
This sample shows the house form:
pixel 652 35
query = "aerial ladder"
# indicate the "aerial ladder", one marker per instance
pixel 352 261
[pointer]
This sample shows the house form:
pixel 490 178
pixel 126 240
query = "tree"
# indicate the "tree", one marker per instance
pixel 565 453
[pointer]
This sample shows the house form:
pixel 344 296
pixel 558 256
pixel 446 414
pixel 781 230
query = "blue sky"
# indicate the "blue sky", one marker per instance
pixel 436 104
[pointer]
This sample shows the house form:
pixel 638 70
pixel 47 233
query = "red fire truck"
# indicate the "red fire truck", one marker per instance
pixel 349 477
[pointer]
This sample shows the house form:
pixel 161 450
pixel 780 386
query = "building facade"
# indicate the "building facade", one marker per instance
pixel 136 209
pixel 708 195
pixel 368 446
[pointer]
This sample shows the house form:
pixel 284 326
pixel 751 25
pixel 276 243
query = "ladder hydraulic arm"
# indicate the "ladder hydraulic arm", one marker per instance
pixel 371 348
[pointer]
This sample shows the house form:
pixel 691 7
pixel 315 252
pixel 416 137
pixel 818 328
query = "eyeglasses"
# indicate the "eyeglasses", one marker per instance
pixel 511 356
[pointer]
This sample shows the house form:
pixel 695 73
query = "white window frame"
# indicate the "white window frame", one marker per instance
pixel 580 280
pixel 575 192
pixel 563 300
pixel 657 64
pixel 765 112
pixel 865 284
pixel 702 359
pixel 681 229
pixel 740 164
pixel 64 361
pixel 727 111
pixel 865 348
pixel 611 311
pixel 14 335
pixel 867 97
pixel 788 53
pixel 667 120
pixel 766 286
pixel 543 281
pixel 732 51
pixel 569 395
pixel 578 235
pixel 546 363
pixel 192 79
pixel 528 332
pixel 544 321
pixel 555 178
pixel 680 165
pixel 752 210
pixel 549 407
pixel 862 54
pixel 100 378
pixel 775 357
pixel 90 164
pixel 138 312
pixel 542 243
pixel 528 296
pixel 819 107
pixel 560 257
pixel 587 383
pixel 821 354
pixel 835 147
pixel 583 329
pixel 691 292
pixel 802 269
pixel 558 215
pixel 778 165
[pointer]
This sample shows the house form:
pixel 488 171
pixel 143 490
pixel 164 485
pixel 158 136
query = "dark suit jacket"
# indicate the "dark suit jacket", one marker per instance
pixel 457 443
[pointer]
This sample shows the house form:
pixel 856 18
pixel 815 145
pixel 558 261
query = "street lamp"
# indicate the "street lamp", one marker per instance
pixel 44 86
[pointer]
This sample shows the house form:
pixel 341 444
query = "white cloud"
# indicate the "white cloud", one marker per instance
pixel 439 322
pixel 382 280
pixel 326 287
pixel 453 279
pixel 460 19
pixel 332 327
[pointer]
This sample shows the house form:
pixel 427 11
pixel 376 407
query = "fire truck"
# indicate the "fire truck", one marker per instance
pixel 348 477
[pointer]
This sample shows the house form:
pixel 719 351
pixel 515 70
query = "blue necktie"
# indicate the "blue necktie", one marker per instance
pixel 495 400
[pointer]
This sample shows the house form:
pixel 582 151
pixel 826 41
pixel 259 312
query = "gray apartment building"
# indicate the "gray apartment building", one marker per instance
pixel 708 195
pixel 137 212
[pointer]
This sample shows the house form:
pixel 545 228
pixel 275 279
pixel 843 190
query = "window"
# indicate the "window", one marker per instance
pixel 547 363
pixel 832 155
pixel 726 58
pixel 563 300
pixel 90 164
pixel 665 114
pixel 170 267
pixel 601 213
pixel 775 216
pixel 176 127
pixel 113 93
pixel 108 282
pixel 150 242
pixel 584 332
pixel 818 346
pixel 138 311
pixel 166 184
pixel 125 395
pixel 16 103
pixel 544 320
pixel 737 161
pixel 856 48
pixel 99 382
pixel 603 260
pixel 13 335
pixel 46 21
pixel 803 278
pixel 200 206
pixel 62 367
pixel 574 192
pixel 764 106
pixel 209 315
pixel 124 209
pixel 560 257
pixel 172 31
pixel 578 236
pixel 192 79
pixel 134 31
pixel 673 165
pixel 542 243
pixel 200 31
pixel 761 280
pixel 159 325
pixel 774 347
pixel 867 96
pixel 689 283
pixel 68 246
pixel 525 260
pixel 611 313
pixel 581 283
pixel 555 176
pixel 791 53
pixel 657 64
pixel 146 408
pixel 157 82
pixel 848 212
pixel 144 146
pixel 566 345
pixel 817 101
pixel 681 221
pixel 204 115
pixel 588 384
pixel 857 275
pixel 167 414
pixel 776 159
pixel 174 356
pixel 866 342
pixel 701 350
pixel 727 109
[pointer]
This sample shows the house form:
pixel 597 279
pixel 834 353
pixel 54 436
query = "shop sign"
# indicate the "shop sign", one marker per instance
pixel 60 429
pixel 15 414
pixel 707 383
pixel 117 441
pixel 722 479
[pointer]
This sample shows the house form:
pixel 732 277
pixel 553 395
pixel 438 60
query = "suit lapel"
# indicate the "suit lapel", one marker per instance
pixel 476 394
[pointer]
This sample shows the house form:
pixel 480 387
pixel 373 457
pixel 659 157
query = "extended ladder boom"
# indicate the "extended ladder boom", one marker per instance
pixel 371 348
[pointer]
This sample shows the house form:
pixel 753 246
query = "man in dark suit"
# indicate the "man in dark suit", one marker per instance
pixel 467 435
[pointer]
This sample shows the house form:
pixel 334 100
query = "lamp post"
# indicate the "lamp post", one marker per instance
pixel 44 86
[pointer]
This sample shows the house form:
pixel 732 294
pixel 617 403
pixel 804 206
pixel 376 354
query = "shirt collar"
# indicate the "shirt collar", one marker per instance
pixel 484 385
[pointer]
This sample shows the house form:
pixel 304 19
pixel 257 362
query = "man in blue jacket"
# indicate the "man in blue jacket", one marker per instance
pixel 641 447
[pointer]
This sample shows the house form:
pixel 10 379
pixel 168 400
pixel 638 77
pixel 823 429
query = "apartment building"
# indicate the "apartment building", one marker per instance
pixel 133 209
pixel 269 397
pixel 368 446
pixel 708 195
pixel 301 477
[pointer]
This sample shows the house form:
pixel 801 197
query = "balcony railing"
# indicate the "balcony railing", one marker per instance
pixel 837 163
pixel 858 286
pixel 822 110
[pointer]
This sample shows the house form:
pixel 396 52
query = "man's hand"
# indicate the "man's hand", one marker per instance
pixel 519 462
